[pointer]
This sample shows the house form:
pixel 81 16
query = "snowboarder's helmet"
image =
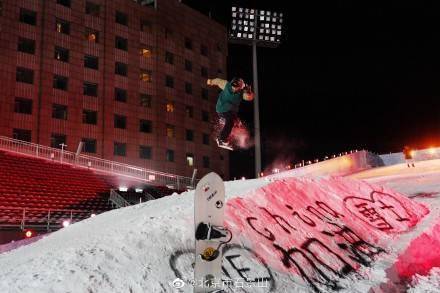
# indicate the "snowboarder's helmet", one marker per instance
pixel 237 82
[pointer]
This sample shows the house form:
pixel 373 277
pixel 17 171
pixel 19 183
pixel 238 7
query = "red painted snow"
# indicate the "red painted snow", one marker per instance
pixel 321 228
pixel 421 256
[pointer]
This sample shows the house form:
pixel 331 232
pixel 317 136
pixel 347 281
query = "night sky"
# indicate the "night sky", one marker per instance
pixel 348 76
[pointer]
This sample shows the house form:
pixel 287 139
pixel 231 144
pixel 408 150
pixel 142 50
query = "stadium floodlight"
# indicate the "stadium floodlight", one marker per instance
pixel 257 28
pixel 66 223
pixel 123 189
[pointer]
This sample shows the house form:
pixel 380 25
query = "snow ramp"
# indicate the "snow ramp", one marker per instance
pixel 328 234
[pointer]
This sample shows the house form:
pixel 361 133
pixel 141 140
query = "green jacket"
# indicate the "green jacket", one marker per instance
pixel 228 100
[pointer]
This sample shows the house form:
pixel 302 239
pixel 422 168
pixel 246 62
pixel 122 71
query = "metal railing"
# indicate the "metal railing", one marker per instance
pixel 50 219
pixel 117 200
pixel 90 162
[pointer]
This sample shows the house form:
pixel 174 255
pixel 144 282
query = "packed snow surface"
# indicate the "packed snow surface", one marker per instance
pixel 303 234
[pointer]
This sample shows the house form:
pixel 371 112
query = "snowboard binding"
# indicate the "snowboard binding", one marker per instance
pixel 205 231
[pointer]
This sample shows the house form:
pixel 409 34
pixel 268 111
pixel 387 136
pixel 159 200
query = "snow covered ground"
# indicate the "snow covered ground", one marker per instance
pixel 144 248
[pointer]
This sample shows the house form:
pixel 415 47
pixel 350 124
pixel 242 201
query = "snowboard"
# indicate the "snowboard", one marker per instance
pixel 209 204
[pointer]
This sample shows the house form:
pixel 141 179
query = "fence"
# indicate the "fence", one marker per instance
pixel 147 175
pixel 49 219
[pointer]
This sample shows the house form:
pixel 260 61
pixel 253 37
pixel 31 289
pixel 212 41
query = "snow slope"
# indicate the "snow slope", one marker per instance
pixel 345 232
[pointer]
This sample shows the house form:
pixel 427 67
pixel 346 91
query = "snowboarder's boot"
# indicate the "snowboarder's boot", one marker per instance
pixel 413 165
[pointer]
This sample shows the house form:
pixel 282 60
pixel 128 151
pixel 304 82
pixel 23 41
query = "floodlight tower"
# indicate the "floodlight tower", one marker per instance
pixel 257 28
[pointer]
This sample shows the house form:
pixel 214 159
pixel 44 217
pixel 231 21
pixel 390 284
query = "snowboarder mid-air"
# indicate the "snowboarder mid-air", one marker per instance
pixel 228 104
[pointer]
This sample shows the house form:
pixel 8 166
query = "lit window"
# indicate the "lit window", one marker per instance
pixel 91 35
pixel 62 26
pixel 170 107
pixel 190 159
pixel 145 52
pixel 145 75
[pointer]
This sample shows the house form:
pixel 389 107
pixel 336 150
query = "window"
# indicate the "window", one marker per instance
pixel 145 51
pixel 120 121
pixel 62 26
pixel 205 116
pixel 60 82
pixel 204 71
pixel 188 65
pixel 92 8
pixel 145 100
pixel 24 75
pixel 189 135
pixel 64 2
pixel 145 26
pixel 59 112
pixel 62 54
pixel 169 81
pixel 205 139
pixel 189 111
pixel 121 18
pixel 205 162
pixel 170 107
pixel 23 106
pixel 170 155
pixel 190 159
pixel 205 94
pixel 56 140
pixel 188 43
pixel 119 149
pixel 188 88
pixel 91 62
pixel 145 126
pixel 26 45
pixel 89 145
pixel 121 68
pixel 121 43
pixel 170 131
pixel 28 16
pixel 90 89
pixel 145 152
pixel 91 35
pixel 145 75
pixel 90 117
pixel 22 134
pixel 204 50
pixel 120 95
pixel 169 57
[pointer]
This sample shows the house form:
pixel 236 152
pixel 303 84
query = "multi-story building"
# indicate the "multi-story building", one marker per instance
pixel 128 80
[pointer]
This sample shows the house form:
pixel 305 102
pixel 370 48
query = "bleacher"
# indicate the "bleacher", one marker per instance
pixel 41 193
pixel 32 187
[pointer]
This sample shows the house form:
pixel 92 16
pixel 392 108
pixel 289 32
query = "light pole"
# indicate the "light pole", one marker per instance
pixel 62 151
pixel 257 28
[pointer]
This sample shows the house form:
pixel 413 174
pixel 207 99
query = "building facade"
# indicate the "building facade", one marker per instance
pixel 126 79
